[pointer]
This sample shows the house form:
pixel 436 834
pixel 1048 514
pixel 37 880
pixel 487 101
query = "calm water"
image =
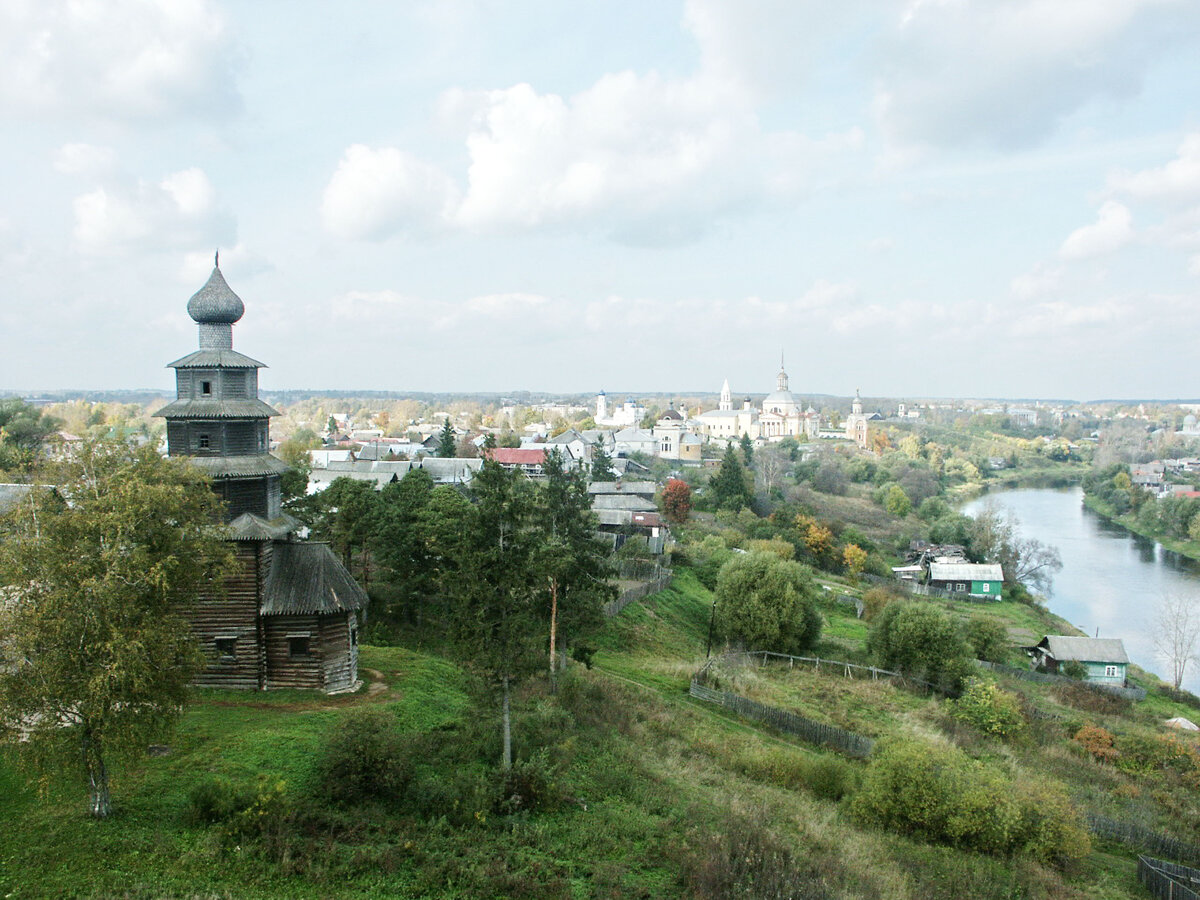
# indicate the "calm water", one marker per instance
pixel 1111 579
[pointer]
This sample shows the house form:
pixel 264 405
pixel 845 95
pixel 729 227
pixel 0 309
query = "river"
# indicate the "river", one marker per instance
pixel 1111 578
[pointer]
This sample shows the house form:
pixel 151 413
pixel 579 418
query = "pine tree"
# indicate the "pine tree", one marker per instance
pixel 747 451
pixel 602 465
pixel 728 485
pixel 447 447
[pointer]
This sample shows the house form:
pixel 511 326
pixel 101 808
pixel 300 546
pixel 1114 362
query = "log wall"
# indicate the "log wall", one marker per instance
pixel 235 615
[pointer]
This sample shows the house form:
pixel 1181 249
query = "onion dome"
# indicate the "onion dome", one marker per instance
pixel 216 303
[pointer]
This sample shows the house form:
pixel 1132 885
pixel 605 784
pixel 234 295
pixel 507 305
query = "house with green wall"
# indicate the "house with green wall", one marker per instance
pixel 974 579
pixel 1104 658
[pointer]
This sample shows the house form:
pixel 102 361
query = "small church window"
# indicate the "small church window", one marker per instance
pixel 203 441
pixel 206 388
pixel 225 649
pixel 298 647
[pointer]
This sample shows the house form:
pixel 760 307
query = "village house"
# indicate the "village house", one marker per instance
pixel 290 612
pixel 973 579
pixel 1104 658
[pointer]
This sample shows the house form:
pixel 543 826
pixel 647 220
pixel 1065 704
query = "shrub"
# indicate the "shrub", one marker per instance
pixel 988 638
pixel 989 709
pixel 1073 668
pixel 215 800
pixel 939 794
pixel 874 602
pixel 922 641
pixel 528 785
pixel 364 757
pixel 1089 699
pixel 1097 741
pixel 830 778
pixel 767 604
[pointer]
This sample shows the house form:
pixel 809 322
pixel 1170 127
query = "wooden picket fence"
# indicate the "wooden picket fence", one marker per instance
pixel 1129 693
pixel 1168 881
pixel 788 722
pixel 1143 838
pixel 638 592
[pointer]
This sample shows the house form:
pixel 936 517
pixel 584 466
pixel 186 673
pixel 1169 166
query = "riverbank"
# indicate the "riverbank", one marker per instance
pixel 1128 521
pixel 1055 479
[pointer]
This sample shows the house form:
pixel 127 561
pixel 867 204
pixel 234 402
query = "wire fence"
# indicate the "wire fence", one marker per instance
pixel 832 666
pixel 1129 693
pixel 1168 881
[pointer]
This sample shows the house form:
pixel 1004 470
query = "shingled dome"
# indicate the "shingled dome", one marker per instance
pixel 216 303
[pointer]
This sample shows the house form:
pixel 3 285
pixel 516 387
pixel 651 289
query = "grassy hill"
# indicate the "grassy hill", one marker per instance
pixel 626 786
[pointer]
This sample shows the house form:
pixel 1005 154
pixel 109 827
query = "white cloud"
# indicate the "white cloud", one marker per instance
pixel 1112 230
pixel 85 159
pixel 378 192
pixel 178 212
pixel 644 158
pixel 1042 280
pixel 1047 319
pixel 1177 181
pixel 1006 74
pixel 124 59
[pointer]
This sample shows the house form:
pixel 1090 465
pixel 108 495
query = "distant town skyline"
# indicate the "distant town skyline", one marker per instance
pixel 935 198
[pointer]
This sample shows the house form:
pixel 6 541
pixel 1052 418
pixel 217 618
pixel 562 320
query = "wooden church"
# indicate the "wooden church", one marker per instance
pixel 290 614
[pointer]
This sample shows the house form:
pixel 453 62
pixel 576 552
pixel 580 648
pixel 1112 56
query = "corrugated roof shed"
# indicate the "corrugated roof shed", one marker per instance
pixel 307 578
pixel 1085 649
pixel 966 572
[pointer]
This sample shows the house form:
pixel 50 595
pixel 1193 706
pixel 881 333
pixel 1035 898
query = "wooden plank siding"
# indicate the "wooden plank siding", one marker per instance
pixel 235 615
pixel 339 656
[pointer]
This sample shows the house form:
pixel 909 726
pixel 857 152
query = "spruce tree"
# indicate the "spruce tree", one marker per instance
pixel 447 447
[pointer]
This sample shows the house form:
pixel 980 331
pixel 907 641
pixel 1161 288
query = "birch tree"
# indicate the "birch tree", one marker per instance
pixel 1177 632
pixel 96 658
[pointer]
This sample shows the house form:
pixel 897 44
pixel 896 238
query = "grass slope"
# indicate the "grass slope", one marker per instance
pixel 647 792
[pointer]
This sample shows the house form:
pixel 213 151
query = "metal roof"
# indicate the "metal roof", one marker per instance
pixel 217 409
pixel 240 466
pixel 965 572
pixel 622 487
pixel 623 501
pixel 307 578
pixel 210 359
pixel 1085 649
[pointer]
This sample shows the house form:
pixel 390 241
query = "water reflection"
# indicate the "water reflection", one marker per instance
pixel 1111 579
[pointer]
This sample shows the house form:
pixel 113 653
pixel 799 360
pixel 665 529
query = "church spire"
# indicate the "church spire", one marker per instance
pixel 726 397
pixel 781 383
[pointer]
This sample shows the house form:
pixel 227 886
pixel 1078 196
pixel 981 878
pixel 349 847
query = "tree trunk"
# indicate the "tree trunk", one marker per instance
pixel 553 634
pixel 99 802
pixel 506 725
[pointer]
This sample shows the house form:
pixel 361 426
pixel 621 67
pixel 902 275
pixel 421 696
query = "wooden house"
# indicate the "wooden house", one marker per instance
pixel 973 579
pixel 289 614
pixel 1104 658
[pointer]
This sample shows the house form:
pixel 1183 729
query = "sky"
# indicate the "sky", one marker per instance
pixel 951 198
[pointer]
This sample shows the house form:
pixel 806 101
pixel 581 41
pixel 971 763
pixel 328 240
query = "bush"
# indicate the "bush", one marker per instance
pixel 365 757
pixel 988 638
pixel 922 641
pixel 831 778
pixel 875 601
pixel 216 800
pixel 527 786
pixel 939 794
pixel 1097 741
pixel 1073 668
pixel 767 603
pixel 989 709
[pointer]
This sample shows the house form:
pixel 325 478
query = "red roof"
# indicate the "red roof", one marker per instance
pixel 516 456
pixel 647 519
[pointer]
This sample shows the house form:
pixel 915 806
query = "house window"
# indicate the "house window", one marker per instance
pixel 961 588
pixel 225 649
pixel 298 647
pixel 206 388
pixel 1110 671
pixel 987 588
pixel 203 441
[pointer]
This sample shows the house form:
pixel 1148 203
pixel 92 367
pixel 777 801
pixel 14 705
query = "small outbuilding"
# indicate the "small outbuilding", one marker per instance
pixel 1104 658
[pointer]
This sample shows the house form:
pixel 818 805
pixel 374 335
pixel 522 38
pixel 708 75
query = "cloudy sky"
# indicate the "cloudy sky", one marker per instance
pixel 935 197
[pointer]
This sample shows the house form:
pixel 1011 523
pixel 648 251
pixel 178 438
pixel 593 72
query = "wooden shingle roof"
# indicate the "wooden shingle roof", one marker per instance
pixel 306 578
